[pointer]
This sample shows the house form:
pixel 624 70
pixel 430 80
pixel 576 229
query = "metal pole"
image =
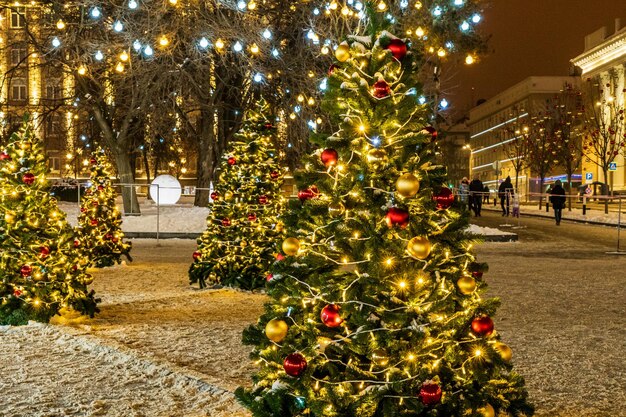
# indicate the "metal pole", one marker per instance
pixel 619 221
pixel 158 213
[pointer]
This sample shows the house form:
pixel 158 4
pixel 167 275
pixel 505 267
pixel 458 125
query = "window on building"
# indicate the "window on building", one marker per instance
pixel 55 124
pixel 19 90
pixel 18 17
pixel 54 90
pixel 18 56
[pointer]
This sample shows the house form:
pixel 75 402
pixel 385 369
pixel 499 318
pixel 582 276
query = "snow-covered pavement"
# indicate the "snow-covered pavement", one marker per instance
pixel 161 348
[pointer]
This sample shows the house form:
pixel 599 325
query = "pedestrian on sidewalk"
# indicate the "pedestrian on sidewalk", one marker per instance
pixel 486 194
pixel 557 198
pixel 464 192
pixel 505 191
pixel 476 191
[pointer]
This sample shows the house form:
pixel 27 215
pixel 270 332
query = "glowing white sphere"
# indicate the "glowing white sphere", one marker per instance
pixel 165 190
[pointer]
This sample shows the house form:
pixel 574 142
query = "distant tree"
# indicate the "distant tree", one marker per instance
pixel 517 136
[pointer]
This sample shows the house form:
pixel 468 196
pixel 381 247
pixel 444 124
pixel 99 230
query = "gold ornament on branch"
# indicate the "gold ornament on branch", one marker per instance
pixel 342 53
pixel 467 285
pixel 291 246
pixel 336 209
pixel 487 411
pixel 276 330
pixel 380 357
pixel 376 156
pixel 407 185
pixel 506 353
pixel 419 247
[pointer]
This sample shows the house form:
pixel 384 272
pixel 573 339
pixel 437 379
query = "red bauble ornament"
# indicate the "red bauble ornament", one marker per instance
pixel 94 222
pixel 108 236
pixel 100 187
pixel 477 274
pixel 280 257
pixel 94 203
pixel 28 178
pixel 114 240
pixel 430 393
pixel 274 175
pixel 5 156
pixel 268 125
pixel 44 251
pixel 226 222
pixel 330 316
pixel 398 48
pixel 215 196
pixel 381 89
pixel 93 161
pixel 76 243
pixel 329 157
pixel 332 69
pixel 444 198
pixel 26 270
pixel 482 325
pixel 263 199
pixel 75 268
pixel 294 364
pixel 269 277
pixel 83 209
pixel 196 255
pixel 309 193
pixel 232 160
pixel 431 131
pixel 397 216
pixel 17 293
pixel 252 217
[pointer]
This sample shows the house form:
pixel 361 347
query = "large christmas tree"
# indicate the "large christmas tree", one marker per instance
pixel 378 308
pixel 41 270
pixel 239 243
pixel 100 221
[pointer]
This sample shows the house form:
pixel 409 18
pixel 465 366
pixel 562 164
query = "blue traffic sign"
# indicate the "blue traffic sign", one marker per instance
pixel 613 166
pixel 589 176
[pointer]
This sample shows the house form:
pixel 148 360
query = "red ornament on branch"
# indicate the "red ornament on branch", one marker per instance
pixel 215 196
pixel 309 193
pixel 330 316
pixel 329 157
pixel 430 393
pixel 274 175
pixel 294 364
pixel 430 131
pixel 93 222
pixel 28 178
pixel 196 255
pixel 398 48
pixel 100 187
pixel 17 292
pixel 5 156
pixel 226 222
pixel 76 243
pixel 26 270
pixel 444 198
pixel 232 160
pixel 93 161
pixel 477 274
pixel 482 325
pixel 381 89
pixel 397 217
pixel 332 69
pixel 252 217
pixel 269 277
pixel 263 199
pixel 44 251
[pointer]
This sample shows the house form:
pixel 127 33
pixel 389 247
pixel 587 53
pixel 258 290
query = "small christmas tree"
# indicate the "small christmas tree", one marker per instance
pixel 377 309
pixel 242 228
pixel 100 222
pixel 41 270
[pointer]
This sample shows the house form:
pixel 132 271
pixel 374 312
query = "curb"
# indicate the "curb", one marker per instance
pixel 544 216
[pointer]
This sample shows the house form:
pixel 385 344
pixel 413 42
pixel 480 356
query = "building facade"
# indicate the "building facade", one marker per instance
pixel 494 124
pixel 603 61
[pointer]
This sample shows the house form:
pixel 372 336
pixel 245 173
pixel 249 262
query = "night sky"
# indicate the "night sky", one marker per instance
pixel 531 37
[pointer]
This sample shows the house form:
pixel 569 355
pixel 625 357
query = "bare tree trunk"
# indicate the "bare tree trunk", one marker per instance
pixel 569 190
pixel 206 161
pixel 125 174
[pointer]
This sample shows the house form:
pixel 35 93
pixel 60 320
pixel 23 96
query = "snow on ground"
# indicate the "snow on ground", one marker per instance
pixel 487 231
pixel 161 348
pixel 595 214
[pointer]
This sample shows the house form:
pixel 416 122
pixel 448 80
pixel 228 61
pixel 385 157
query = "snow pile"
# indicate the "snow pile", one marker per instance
pixel 595 214
pixel 487 231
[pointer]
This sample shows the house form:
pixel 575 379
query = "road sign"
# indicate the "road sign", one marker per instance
pixel 588 177
pixel 613 166
pixel 588 191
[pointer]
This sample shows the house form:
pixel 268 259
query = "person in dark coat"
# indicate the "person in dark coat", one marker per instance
pixel 486 194
pixel 557 198
pixel 476 195
pixel 505 191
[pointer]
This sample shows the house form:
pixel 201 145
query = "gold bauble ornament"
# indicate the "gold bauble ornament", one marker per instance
pixel 419 247
pixel 380 357
pixel 506 353
pixel 280 226
pixel 291 246
pixel 467 285
pixel 342 53
pixel 9 218
pixel 276 330
pixel 487 411
pixel 407 185
pixel 243 244
pixel 228 195
pixel 336 209
pixel 376 156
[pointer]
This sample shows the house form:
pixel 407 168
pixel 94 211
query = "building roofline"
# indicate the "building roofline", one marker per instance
pixel 604 54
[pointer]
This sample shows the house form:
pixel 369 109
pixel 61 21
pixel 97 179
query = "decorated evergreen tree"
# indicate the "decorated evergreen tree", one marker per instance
pixel 377 308
pixel 100 222
pixel 41 270
pixel 243 227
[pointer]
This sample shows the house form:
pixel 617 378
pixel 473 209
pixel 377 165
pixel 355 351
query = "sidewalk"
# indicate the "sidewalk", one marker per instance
pixel 592 217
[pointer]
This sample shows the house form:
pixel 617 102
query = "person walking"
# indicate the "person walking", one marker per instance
pixel 504 192
pixel 486 194
pixel 557 198
pixel 464 192
pixel 476 191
